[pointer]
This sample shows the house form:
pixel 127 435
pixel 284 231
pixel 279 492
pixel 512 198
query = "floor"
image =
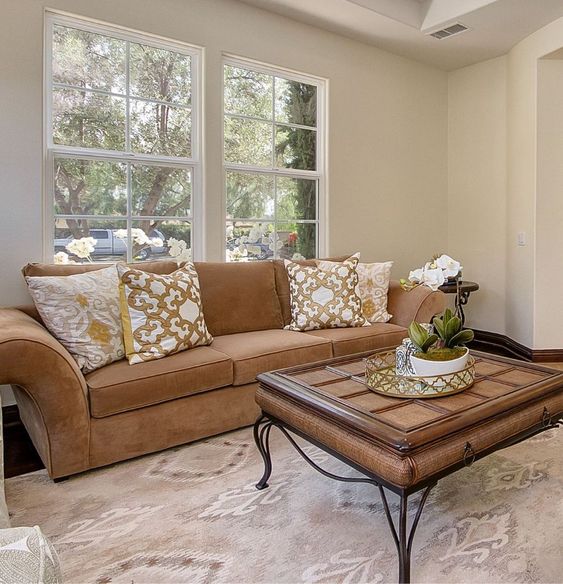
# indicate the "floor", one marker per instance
pixel 192 514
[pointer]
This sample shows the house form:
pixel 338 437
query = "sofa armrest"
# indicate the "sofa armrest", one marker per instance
pixel 420 304
pixel 50 391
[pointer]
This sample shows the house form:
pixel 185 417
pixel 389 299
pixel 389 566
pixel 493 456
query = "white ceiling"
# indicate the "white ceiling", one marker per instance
pixel 402 26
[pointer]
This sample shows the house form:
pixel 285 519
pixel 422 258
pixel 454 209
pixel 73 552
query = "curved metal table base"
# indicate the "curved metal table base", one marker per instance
pixel 402 535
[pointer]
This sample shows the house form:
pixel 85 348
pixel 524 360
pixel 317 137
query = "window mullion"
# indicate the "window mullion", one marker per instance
pixel 273 122
pixel 127 97
pixel 111 155
pixel 129 215
pixel 95 90
pixel 274 236
pixel 128 149
pixel 275 217
pixel 257 119
pixel 290 172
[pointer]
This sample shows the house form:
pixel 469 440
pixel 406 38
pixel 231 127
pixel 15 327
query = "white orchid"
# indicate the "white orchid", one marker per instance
pixel 82 248
pixel 256 232
pixel 434 273
pixel 449 266
pixel 139 237
pixel 61 258
pixel 238 254
pixel 179 250
pixel 274 242
pixel 433 278
pixel 416 275
pixel 297 257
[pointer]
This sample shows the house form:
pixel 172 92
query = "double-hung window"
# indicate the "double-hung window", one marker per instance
pixel 274 152
pixel 123 143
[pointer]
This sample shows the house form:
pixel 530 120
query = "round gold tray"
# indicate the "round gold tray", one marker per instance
pixel 381 378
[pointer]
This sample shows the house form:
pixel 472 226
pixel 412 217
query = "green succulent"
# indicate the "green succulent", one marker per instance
pixel 421 337
pixel 450 331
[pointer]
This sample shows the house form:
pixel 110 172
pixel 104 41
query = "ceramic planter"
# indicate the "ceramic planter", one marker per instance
pixel 425 368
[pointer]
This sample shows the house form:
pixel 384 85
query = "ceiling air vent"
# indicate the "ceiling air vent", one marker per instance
pixel 449 31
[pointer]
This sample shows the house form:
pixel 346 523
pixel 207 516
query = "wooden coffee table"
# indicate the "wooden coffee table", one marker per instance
pixel 405 445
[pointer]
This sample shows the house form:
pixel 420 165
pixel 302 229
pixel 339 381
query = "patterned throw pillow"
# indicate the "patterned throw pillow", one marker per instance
pixel 82 312
pixel 161 314
pixel 324 298
pixel 373 288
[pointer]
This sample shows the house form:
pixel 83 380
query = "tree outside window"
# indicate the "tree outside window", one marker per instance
pixel 271 148
pixel 121 141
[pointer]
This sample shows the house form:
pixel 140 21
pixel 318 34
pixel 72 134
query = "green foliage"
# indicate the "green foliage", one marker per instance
pixel 82 118
pixel 160 74
pixel 421 337
pixel 162 125
pixel 248 93
pixel 89 60
pixel 256 196
pixel 442 354
pixel 449 329
pixel 180 230
pixel 249 195
pixel 297 149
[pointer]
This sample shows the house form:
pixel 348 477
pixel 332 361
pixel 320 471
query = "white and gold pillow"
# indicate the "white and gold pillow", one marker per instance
pixel 161 314
pixel 324 298
pixel 82 312
pixel 373 288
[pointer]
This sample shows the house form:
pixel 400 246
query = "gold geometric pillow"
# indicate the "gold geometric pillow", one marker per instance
pixel 82 312
pixel 373 288
pixel 161 314
pixel 323 299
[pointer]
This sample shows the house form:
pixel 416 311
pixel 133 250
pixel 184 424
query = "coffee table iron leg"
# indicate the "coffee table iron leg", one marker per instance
pixel 262 439
pixel 403 541
pixel 403 538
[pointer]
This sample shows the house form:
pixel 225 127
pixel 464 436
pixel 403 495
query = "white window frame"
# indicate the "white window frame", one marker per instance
pixel 320 174
pixel 194 163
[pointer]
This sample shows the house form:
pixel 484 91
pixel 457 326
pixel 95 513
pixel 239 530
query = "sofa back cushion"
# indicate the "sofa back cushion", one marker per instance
pixel 156 267
pixel 239 297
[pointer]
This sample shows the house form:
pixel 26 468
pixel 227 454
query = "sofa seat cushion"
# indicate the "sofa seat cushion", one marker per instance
pixel 346 341
pixel 120 387
pixel 260 351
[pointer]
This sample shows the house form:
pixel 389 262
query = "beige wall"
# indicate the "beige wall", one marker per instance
pixel 477 186
pixel 549 205
pixel 520 142
pixel 528 315
pixel 387 125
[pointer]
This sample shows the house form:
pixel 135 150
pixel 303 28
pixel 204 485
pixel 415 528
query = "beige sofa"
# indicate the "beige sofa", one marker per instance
pixel 121 411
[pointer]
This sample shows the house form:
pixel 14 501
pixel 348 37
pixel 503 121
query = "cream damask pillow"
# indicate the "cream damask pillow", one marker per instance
pixel 82 312
pixel 373 288
pixel 161 314
pixel 324 298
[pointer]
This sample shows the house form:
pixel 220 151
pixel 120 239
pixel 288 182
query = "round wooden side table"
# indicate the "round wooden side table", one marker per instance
pixel 462 290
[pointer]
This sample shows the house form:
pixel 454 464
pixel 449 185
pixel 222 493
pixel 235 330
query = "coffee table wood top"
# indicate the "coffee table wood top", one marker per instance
pixel 336 390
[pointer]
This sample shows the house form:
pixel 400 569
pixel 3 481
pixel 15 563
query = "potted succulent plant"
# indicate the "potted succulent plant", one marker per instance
pixel 442 352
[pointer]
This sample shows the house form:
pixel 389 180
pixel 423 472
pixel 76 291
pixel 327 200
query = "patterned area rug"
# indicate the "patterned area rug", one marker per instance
pixel 192 514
